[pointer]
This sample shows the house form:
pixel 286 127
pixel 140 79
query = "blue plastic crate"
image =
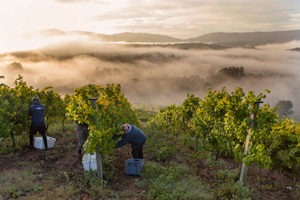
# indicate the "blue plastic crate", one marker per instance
pixel 133 166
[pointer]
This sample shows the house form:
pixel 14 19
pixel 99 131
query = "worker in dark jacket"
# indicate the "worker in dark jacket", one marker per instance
pixel 134 136
pixel 37 113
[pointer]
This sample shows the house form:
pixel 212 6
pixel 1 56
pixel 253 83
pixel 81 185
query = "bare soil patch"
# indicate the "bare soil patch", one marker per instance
pixel 61 162
pixel 59 166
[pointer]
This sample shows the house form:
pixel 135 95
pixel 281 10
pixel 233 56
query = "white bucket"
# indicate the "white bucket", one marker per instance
pixel 39 142
pixel 89 162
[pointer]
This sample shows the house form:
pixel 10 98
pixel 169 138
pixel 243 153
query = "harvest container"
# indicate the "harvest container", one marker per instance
pixel 89 162
pixel 133 166
pixel 39 142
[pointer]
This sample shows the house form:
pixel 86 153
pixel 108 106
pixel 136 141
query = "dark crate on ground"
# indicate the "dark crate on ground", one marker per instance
pixel 133 166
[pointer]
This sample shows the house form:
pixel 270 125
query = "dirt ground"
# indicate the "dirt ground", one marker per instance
pixel 62 159
pixel 264 184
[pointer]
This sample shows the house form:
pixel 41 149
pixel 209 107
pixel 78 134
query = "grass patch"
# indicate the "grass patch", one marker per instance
pixel 173 182
pixel 68 127
pixel 6 144
pixel 95 188
pixel 18 183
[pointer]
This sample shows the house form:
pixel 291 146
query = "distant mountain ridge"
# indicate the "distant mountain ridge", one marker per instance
pixel 141 37
pixel 231 38
pixel 249 37
pixel 119 37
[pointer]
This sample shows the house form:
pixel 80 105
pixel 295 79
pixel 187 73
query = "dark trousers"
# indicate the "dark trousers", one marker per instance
pixel 137 152
pixel 82 134
pixel 41 130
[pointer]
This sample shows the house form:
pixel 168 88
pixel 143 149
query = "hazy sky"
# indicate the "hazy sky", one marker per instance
pixel 164 74
pixel 182 18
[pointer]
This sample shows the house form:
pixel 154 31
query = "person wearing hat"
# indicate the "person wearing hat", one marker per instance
pixel 134 136
pixel 37 114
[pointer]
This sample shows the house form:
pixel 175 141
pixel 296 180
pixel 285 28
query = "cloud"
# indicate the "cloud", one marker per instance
pixel 153 74
pixel 15 66
pixel 202 16
pixel 80 1
pixel 182 19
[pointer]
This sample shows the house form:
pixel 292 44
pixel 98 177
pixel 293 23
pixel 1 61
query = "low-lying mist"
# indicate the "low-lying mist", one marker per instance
pixel 158 75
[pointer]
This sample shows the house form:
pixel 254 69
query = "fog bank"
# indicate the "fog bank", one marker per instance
pixel 157 75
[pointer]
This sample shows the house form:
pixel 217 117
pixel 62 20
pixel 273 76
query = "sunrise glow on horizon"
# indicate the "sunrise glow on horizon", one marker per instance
pixel 21 19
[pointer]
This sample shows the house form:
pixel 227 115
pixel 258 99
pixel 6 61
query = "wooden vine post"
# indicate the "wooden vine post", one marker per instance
pixel 98 155
pixel 244 168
